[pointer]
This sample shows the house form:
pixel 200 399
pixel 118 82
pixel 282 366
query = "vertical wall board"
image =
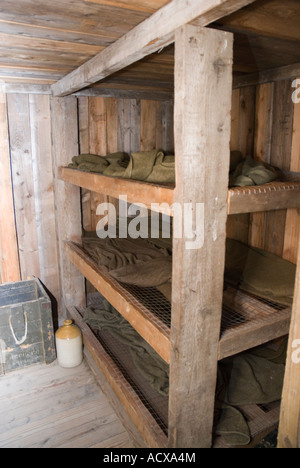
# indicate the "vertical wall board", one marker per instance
pixel 262 152
pixel 129 125
pixel 202 144
pixel 168 126
pixel 281 148
pixel 23 182
pixel 263 122
pixel 40 124
pixel 242 137
pixel 292 230
pixel 112 125
pixel 235 120
pixel 97 145
pixel 9 265
pixel 282 125
pixel 148 125
pixel 247 120
pixel 67 197
pixel 84 148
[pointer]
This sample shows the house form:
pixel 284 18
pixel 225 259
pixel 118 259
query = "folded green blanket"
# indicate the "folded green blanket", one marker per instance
pixel 142 263
pixel 249 172
pixel 147 361
pixel 251 378
pixel 148 166
pixel 259 272
pixel 157 167
pixel 133 261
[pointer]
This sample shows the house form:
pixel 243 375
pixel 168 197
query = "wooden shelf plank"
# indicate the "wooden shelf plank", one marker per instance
pixel 149 326
pixel 136 192
pixel 268 197
pixel 133 406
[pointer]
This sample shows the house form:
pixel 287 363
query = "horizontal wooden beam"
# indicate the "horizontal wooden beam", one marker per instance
pixel 154 33
pixel 267 76
pixel 268 197
pixel 23 88
pixel 120 93
pixel 136 192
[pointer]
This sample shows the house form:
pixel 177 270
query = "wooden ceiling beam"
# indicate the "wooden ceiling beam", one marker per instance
pixel 154 33
pixel 267 76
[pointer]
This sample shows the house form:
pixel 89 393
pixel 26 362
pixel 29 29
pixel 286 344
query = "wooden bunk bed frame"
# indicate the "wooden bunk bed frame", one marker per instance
pixel 192 344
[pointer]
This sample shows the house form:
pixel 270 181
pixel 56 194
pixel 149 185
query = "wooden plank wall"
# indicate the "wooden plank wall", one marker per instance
pixel 28 126
pixel 108 125
pixel 266 125
pixel 265 122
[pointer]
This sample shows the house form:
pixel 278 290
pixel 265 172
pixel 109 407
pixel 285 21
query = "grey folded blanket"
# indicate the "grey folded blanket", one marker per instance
pixel 259 272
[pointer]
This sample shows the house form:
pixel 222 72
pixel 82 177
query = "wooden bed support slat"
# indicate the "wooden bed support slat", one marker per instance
pixel 268 197
pixel 135 191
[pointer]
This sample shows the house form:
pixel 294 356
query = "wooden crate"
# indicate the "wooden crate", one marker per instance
pixel 26 326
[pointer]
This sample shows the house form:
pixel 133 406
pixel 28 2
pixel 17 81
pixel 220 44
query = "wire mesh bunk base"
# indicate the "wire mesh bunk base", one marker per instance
pixel 261 419
pixel 247 321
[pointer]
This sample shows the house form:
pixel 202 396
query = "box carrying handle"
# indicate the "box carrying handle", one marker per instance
pixel 21 341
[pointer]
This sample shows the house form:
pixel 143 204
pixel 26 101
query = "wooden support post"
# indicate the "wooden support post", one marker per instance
pixel 9 261
pixel 67 198
pixel 289 428
pixel 203 91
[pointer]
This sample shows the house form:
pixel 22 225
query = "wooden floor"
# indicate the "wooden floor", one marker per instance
pixel 50 407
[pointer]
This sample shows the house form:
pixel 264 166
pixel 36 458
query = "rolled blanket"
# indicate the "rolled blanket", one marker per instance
pixel 95 163
pixel 148 166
